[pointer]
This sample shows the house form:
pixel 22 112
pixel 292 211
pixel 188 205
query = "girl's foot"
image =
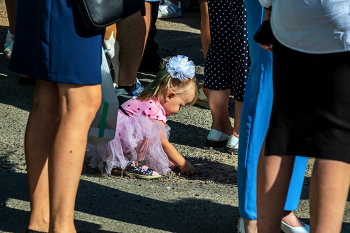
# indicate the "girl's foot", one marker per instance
pixel 141 171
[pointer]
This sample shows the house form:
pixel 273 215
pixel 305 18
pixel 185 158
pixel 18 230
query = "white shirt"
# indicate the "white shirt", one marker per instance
pixel 312 26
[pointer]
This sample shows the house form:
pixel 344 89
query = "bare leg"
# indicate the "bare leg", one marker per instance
pixel 274 173
pixel 77 108
pixel 237 122
pixel 11 8
pixel 218 104
pixel 131 50
pixel 205 26
pixel 147 19
pixel 250 226
pixel 55 146
pixel 40 129
pixel 328 194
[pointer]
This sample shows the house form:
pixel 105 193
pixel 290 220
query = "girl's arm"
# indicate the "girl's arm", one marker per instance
pixel 174 156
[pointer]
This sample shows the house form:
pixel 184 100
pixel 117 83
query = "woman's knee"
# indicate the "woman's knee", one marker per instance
pixel 82 100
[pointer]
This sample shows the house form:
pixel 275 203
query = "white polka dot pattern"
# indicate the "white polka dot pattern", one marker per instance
pixel 227 62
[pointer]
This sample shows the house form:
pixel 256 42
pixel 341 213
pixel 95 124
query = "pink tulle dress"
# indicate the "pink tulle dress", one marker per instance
pixel 138 138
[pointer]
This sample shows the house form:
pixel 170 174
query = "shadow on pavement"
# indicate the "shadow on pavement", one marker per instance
pixel 185 215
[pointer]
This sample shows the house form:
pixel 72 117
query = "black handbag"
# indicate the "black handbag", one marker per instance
pixel 98 14
pixel 264 33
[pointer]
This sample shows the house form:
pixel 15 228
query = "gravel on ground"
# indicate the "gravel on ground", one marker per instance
pixel 206 202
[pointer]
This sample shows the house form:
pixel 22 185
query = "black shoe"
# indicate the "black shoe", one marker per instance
pixel 27 81
pixel 213 143
pixel 32 231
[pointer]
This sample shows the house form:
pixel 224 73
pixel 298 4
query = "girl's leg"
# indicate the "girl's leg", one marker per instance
pixel 77 108
pixel 218 104
pixel 39 133
pixel 274 174
pixel 328 194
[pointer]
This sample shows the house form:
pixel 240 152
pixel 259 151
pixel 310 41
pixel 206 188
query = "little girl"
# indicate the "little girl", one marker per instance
pixel 141 142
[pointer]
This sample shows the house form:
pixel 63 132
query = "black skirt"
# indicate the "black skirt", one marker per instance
pixel 311 107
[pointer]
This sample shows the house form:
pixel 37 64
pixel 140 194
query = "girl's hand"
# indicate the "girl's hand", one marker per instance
pixel 188 169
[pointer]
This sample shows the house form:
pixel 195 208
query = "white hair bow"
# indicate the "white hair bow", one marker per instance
pixel 180 67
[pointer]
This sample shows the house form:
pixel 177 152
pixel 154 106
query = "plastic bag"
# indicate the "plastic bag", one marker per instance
pixel 103 127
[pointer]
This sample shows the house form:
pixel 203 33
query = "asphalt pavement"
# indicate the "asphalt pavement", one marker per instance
pixel 207 202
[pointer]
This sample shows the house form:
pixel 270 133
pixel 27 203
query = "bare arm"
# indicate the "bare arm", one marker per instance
pixel 174 156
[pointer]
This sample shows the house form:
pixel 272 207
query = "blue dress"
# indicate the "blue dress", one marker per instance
pixel 51 44
pixel 255 117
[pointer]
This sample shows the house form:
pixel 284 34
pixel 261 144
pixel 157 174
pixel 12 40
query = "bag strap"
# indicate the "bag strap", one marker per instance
pixel 123 110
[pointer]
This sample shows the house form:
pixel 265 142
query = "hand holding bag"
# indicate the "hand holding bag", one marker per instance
pixel 103 127
pixel 98 14
pixel 264 33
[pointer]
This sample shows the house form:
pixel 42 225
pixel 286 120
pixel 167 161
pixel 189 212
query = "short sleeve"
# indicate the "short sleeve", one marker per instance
pixel 150 108
pixel 266 3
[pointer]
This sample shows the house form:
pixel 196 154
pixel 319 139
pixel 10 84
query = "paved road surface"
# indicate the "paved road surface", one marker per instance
pixel 204 203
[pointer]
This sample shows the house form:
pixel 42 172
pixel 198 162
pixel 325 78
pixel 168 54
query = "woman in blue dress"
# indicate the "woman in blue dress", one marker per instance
pixel 255 119
pixel 65 58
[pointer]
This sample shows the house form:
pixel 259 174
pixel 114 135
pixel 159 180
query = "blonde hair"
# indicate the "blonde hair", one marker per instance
pixel 164 82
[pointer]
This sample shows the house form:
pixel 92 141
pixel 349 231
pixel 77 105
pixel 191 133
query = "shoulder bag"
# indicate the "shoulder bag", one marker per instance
pixel 98 14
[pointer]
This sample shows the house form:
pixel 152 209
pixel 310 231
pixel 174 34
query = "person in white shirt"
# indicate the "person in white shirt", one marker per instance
pixel 311 111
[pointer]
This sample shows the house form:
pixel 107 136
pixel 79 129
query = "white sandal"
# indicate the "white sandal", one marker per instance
pixel 232 145
pixel 217 138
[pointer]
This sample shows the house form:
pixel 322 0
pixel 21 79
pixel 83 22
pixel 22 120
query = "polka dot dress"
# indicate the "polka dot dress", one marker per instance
pixel 227 61
pixel 150 108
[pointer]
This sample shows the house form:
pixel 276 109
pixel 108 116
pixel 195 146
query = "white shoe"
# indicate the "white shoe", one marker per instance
pixel 289 229
pixel 9 39
pixel 169 10
pixel 8 45
pixel 113 53
pixel 8 51
pixel 232 145
pixel 216 138
pixel 240 227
